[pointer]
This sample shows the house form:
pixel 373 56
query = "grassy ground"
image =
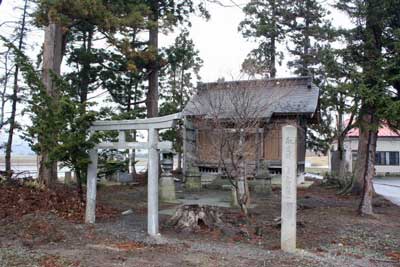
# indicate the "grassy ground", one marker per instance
pixel 330 233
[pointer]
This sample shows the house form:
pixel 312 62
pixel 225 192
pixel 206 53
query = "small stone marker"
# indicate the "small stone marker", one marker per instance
pixel 289 189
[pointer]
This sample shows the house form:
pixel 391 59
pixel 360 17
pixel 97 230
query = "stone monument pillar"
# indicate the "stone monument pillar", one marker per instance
pixel 193 179
pixel 289 188
pixel 190 169
pixel 263 179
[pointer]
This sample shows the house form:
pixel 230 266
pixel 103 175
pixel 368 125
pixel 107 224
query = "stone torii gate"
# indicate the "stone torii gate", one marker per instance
pixel 152 125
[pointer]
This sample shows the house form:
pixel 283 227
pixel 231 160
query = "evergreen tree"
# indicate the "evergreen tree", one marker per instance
pixel 309 37
pixel 164 15
pixel 338 99
pixel 61 18
pixel 264 23
pixel 183 66
pixel 126 66
pixel 53 48
pixel 66 117
pixel 308 33
pixel 375 28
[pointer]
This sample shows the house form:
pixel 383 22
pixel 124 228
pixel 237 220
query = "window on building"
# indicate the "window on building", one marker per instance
pixel 393 158
pixel 380 158
pixel 354 154
pixel 387 158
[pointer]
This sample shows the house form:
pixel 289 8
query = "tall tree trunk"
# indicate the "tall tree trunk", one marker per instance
pixel 52 57
pixel 179 164
pixel 152 94
pixel 365 165
pixel 341 172
pixel 79 181
pixel 365 207
pixel 307 43
pixel 342 159
pixel 362 154
pixel 369 120
pixel 14 97
pixel 85 81
pixel 273 45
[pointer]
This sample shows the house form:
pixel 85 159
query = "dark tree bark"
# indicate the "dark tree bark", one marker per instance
pixel 79 181
pixel 362 155
pixel 85 81
pixel 369 121
pixel 306 64
pixel 14 97
pixel 52 57
pixel 365 165
pixel 152 94
pixel 368 188
pixel 273 45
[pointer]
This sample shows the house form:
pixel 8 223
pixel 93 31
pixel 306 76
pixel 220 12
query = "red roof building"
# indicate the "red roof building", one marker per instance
pixel 387 159
pixel 384 131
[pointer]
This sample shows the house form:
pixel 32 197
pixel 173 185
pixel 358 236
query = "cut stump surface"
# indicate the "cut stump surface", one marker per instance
pixel 190 218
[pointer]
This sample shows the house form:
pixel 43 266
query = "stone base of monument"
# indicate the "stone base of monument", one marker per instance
pixel 167 189
pixel 261 186
pixel 193 183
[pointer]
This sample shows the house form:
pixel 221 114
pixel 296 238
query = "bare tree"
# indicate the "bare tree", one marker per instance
pixel 6 69
pixel 16 90
pixel 231 125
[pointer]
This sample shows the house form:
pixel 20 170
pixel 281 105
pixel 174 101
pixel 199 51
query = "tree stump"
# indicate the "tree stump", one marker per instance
pixel 191 218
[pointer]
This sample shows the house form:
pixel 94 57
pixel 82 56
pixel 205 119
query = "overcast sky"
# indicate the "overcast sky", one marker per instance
pixel 221 46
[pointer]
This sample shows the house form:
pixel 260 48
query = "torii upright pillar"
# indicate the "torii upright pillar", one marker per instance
pixel 152 181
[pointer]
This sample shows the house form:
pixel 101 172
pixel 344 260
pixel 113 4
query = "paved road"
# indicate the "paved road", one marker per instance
pixel 389 188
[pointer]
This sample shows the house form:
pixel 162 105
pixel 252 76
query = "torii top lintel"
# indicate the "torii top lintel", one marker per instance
pixel 163 122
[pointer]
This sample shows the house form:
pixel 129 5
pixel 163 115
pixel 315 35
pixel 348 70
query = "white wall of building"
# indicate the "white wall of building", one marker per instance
pixel 384 144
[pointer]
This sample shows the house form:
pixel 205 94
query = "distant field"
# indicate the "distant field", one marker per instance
pixel 317 164
pixel 27 164
pixel 20 160
pixel 318 161
pixel 320 171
